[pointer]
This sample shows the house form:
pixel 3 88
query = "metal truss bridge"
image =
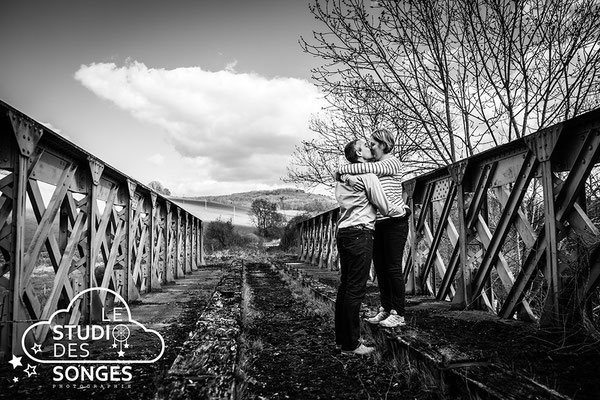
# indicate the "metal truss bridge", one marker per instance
pixel 512 230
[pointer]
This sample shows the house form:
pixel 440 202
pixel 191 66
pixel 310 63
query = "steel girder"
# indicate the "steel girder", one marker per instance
pixel 99 228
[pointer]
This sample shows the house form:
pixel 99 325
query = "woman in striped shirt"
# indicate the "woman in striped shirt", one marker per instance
pixel 390 232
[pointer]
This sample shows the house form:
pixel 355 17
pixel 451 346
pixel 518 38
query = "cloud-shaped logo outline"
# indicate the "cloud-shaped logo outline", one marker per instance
pixel 72 361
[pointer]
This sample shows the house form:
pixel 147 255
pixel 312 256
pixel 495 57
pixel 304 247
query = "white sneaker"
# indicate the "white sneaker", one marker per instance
pixel 361 350
pixel 381 315
pixel 393 320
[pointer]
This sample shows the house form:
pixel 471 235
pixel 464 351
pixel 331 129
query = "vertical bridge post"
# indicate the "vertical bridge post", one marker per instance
pixel 27 136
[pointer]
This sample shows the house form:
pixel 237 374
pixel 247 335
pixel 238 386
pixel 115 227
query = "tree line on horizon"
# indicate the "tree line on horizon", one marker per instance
pixel 269 223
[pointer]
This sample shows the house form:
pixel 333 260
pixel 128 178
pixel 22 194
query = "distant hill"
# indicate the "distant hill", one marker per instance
pixel 286 199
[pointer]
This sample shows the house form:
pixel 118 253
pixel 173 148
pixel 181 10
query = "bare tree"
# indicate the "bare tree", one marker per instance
pixel 265 217
pixel 452 77
pixel 353 111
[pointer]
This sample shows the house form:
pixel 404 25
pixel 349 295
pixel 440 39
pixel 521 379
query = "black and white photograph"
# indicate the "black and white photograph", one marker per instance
pixel 300 199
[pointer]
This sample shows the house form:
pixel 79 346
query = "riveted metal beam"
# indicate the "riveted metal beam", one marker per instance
pixel 96 168
pixel 38 155
pixel 441 226
pixel 542 142
pixel 569 191
pixel 463 294
pixel 484 181
pixel 424 209
pixel 152 264
pixel 480 194
pixel 133 201
pixel 551 270
pixel 574 184
pixel 441 189
pixel 457 171
pixel 408 187
pixel 27 132
pixel 514 202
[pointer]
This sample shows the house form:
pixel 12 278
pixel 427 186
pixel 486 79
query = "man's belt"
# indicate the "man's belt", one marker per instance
pixel 359 227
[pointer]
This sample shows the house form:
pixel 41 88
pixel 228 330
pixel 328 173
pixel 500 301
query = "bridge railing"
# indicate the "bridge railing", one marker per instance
pixel 69 222
pixel 507 230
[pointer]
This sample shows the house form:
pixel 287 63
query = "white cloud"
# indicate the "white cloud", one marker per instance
pixel 157 159
pixel 235 127
pixel 230 67
pixel 55 129
pixel 51 127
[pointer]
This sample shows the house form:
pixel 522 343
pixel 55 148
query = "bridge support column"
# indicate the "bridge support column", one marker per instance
pixel 552 308
pixel 27 136
pixel 153 256
pixel 303 241
pixel 542 144
pixel 186 242
pixel 169 274
pixel 92 306
pixel 194 239
pixel 201 239
pixel 409 265
pixel 178 262
pixel 463 294
pixel 129 289
pixel 329 259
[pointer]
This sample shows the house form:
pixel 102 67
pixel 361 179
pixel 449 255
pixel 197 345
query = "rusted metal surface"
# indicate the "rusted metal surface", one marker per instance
pixel 494 231
pixel 68 222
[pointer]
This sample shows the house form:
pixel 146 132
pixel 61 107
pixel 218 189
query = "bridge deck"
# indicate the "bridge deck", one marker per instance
pixel 507 358
pixel 497 359
pixel 172 311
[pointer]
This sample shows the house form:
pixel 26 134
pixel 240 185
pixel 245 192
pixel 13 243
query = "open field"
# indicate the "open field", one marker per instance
pixel 210 211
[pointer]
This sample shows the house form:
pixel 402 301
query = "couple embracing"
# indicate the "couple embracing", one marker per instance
pixel 373 226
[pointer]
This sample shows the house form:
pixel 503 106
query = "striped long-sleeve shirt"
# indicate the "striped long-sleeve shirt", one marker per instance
pixel 388 171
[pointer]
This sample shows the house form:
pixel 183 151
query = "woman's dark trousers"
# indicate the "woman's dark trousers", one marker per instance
pixel 388 248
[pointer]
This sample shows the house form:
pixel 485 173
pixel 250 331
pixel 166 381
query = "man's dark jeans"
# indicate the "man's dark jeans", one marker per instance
pixel 388 248
pixel 355 247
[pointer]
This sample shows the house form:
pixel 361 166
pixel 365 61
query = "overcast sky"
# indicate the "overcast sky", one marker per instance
pixel 207 97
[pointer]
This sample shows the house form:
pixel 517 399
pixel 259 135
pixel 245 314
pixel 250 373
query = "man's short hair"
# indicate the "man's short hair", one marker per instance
pixel 384 136
pixel 350 151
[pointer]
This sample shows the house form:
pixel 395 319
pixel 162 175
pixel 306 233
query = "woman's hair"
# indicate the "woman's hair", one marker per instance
pixel 384 136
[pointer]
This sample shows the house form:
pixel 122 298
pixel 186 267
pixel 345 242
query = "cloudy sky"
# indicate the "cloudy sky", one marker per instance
pixel 207 97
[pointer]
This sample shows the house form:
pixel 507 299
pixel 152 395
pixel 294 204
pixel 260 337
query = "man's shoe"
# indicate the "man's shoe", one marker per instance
pixel 381 315
pixel 361 350
pixel 393 320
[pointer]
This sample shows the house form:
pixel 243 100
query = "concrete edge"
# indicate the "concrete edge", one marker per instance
pixel 211 352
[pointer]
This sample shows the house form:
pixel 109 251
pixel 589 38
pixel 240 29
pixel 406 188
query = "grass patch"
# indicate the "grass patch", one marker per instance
pixel 318 306
pixel 249 349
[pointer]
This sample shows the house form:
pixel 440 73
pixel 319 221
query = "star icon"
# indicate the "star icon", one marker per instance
pixel 37 348
pixel 126 345
pixel 121 354
pixel 30 370
pixel 16 362
pixel 15 379
pixel 114 345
